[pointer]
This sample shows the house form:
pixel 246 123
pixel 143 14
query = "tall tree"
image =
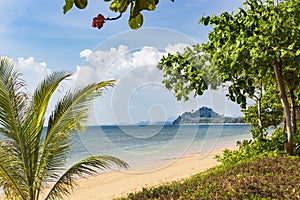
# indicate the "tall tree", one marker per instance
pixel 262 36
pixel 32 157
pixel 251 50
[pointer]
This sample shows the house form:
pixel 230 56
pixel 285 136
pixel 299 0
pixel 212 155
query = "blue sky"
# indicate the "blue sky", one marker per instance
pixel 40 39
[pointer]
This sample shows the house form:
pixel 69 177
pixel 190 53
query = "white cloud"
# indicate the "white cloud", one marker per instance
pixel 177 48
pixel 32 71
pixel 85 53
pixel 146 56
pixel 85 75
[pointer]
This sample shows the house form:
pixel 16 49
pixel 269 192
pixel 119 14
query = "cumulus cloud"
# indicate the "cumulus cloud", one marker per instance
pixel 32 71
pixel 85 75
pixel 117 61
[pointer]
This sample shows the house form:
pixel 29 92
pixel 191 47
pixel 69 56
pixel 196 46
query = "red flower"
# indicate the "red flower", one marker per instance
pixel 98 21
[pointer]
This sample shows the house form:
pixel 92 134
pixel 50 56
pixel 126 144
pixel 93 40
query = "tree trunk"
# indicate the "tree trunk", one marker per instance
pixel 259 110
pixel 286 107
pixel 293 114
pixel 259 119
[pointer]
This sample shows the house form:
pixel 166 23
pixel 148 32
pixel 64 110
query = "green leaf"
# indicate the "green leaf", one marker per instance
pixel 206 21
pixel 298 52
pixel 136 22
pixel 81 4
pixel 68 5
pixel 119 5
pixel 140 5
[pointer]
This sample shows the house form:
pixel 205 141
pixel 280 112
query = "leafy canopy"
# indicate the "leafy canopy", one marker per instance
pixel 252 51
pixel 245 45
pixel 241 50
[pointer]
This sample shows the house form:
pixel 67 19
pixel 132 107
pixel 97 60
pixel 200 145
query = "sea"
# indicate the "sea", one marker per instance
pixel 140 145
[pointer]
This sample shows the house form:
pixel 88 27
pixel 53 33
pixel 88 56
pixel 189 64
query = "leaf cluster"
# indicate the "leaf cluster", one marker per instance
pixel 271 113
pixel 188 72
pixel 245 44
pixel 135 6
pixel 269 146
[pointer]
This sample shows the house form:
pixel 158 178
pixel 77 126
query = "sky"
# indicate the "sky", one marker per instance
pixel 40 39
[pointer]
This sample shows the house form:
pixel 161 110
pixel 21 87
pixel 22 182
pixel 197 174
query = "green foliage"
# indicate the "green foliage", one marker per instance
pixel 244 45
pixel 271 114
pixel 261 178
pixel 136 7
pixel 269 146
pixel 252 51
pixel 189 72
pixel 30 159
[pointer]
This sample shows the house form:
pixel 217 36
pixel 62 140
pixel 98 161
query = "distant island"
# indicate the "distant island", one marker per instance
pixel 205 115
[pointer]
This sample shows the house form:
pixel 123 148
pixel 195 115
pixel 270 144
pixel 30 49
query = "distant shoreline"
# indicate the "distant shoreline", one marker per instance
pixel 212 123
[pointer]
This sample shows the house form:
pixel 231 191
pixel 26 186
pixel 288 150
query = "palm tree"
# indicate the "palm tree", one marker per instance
pixel 30 157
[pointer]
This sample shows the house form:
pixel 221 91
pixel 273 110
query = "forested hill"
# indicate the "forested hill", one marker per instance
pixel 205 115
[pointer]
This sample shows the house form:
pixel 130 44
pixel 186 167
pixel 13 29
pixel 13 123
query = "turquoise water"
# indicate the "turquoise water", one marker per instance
pixel 145 144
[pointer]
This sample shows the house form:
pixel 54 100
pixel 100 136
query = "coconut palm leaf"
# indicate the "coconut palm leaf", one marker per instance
pixel 9 179
pixel 87 166
pixel 35 117
pixel 12 99
pixel 32 126
pixel 72 108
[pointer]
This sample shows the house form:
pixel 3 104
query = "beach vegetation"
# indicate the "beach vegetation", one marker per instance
pixel 275 177
pixel 33 158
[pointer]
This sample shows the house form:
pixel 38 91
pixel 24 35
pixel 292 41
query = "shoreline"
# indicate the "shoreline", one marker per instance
pixel 114 184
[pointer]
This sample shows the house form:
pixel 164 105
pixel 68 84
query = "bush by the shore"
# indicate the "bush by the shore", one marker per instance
pixel 260 178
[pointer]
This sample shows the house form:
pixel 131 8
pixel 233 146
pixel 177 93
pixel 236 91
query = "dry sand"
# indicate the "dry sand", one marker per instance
pixel 114 184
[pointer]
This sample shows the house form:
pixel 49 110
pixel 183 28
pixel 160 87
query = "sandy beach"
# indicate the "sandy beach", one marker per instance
pixel 114 184
pixel 109 185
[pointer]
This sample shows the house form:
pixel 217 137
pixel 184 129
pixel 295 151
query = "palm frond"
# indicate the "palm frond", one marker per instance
pixel 11 178
pixel 33 124
pixel 72 108
pixel 43 93
pixel 13 99
pixel 88 166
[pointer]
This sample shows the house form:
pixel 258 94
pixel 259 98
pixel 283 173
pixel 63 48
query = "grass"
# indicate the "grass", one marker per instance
pixel 261 178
